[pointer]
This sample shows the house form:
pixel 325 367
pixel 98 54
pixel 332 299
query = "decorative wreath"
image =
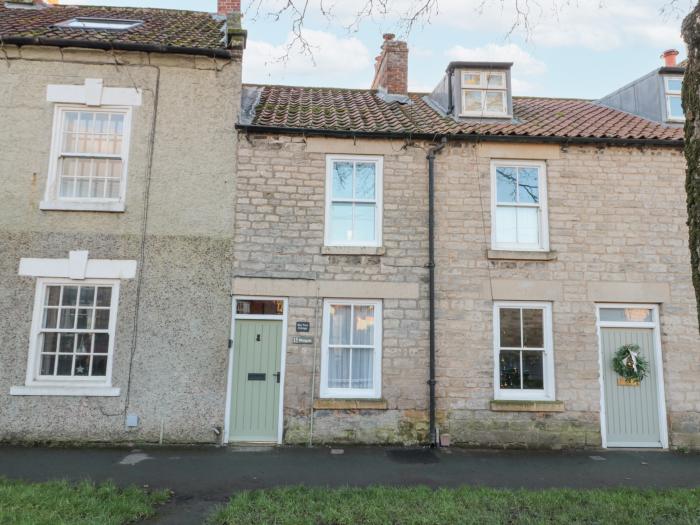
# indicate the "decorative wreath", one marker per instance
pixel 629 364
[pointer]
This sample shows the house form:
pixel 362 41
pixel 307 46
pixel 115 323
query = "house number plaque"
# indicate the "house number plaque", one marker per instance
pixel 303 340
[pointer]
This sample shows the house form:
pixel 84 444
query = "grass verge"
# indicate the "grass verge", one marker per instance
pixel 467 505
pixel 61 503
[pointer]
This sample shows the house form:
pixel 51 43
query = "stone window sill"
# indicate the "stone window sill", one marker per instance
pixel 58 205
pixel 353 250
pixel 70 391
pixel 503 405
pixel 515 255
pixel 350 404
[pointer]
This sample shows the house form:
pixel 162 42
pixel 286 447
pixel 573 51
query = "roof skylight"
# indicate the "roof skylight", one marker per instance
pixel 109 24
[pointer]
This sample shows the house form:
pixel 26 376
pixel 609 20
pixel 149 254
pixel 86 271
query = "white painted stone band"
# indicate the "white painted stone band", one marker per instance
pixel 93 93
pixel 78 266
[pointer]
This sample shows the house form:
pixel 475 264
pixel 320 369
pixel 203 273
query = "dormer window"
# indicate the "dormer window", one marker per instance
pixel 674 108
pixel 108 24
pixel 484 94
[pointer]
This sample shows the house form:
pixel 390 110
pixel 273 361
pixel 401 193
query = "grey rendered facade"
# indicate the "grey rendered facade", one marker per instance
pixel 173 316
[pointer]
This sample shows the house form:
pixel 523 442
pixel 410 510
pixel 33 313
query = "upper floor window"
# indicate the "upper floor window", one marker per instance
pixel 674 108
pixel 88 164
pixel 519 206
pixel 353 201
pixel 484 93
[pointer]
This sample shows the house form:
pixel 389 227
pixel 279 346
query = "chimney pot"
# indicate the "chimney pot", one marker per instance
pixel 388 36
pixel 669 57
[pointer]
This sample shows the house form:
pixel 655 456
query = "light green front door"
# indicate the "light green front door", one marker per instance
pixel 631 412
pixel 255 390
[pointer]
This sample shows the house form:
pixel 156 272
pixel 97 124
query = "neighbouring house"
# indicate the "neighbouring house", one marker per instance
pixel 542 235
pixel 314 265
pixel 117 162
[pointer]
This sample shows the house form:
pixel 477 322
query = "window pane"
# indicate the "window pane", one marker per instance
pixel 365 180
pixel 506 222
pixel 533 328
pixel 47 365
pixel 362 368
pixel 506 183
pixel 471 79
pixel 53 294
pixel 472 101
pixel 364 223
pixel 495 80
pixel 65 365
pixel 340 318
pixel 674 84
pixel 342 180
pixel 510 369
pixel 67 318
pixel 495 102
pixel 510 327
pixel 627 315
pixel 339 367
pixel 50 317
pixel 87 296
pixel 363 324
pixel 259 307
pixel 528 225
pixel 101 343
pixel 528 185
pixel 104 296
pixel 84 344
pixel 99 366
pixel 82 365
pixel 84 319
pixel 675 107
pixel 101 319
pixel 67 343
pixel 49 343
pixel 533 370
pixel 341 222
pixel 70 295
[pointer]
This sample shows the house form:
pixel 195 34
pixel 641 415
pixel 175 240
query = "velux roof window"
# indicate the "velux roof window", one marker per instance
pixel 109 24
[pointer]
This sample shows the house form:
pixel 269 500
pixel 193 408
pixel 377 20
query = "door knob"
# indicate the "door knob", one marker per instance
pixel 277 375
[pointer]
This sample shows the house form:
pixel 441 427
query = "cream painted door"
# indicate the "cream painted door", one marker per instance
pixel 255 391
pixel 632 413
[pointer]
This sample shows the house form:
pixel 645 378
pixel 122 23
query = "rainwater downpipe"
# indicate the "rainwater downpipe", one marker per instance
pixel 431 284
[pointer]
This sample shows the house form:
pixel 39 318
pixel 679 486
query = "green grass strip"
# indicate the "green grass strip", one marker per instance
pixel 466 505
pixel 62 503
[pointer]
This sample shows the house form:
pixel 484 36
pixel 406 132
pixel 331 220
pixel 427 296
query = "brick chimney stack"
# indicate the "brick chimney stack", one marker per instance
pixel 225 7
pixel 669 57
pixel 391 67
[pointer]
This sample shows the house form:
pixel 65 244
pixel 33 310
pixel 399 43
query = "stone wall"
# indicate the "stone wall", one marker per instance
pixel 617 233
pixel 177 380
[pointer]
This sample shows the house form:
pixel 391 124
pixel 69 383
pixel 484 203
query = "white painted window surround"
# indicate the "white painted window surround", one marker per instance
pixel 519 217
pixel 89 147
pixel 523 351
pixel 71 344
pixel 351 357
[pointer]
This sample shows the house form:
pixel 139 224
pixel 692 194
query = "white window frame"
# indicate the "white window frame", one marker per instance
pixel 668 93
pixel 52 199
pixel 379 210
pixel 548 393
pixel 483 88
pixel 64 385
pixel 543 245
pixel 353 393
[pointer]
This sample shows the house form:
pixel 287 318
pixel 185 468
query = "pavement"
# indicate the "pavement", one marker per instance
pixel 204 477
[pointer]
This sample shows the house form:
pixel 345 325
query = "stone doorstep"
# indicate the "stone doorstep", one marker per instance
pixel 527 406
pixel 350 404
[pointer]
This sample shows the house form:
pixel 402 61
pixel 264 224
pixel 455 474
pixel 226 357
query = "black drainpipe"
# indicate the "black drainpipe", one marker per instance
pixel 431 286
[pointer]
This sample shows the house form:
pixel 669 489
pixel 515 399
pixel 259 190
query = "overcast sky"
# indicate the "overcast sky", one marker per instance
pixel 584 50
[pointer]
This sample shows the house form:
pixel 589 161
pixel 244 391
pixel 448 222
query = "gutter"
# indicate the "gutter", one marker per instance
pixel 432 152
pixel 467 137
pixel 121 46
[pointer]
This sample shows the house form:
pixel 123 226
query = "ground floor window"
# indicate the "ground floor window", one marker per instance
pixel 351 351
pixel 73 331
pixel 524 366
